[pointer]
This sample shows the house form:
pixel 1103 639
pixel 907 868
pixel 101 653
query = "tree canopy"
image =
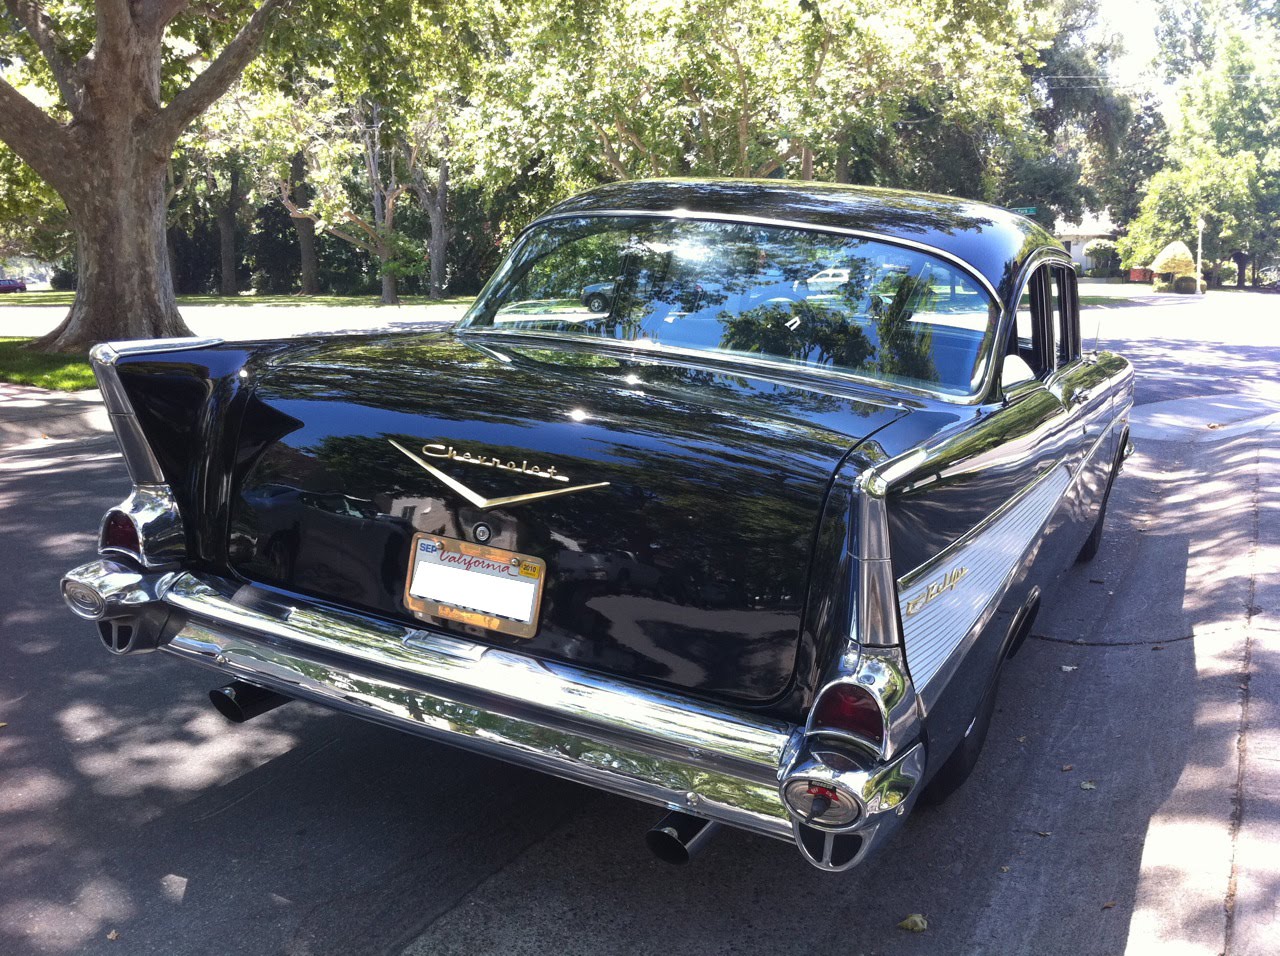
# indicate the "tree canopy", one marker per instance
pixel 400 146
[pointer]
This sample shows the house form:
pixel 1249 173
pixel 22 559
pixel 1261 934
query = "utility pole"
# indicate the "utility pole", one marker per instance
pixel 1199 248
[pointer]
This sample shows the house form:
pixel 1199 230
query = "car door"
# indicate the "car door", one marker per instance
pixel 1082 388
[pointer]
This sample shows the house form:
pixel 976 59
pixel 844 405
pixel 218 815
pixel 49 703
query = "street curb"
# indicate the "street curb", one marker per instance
pixel 29 414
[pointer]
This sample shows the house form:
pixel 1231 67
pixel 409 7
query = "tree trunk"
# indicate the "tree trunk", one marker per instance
pixel 171 247
pixel 843 152
pixel 1242 260
pixel 304 227
pixel 438 245
pixel 227 248
pixel 124 289
pixel 389 296
pixel 227 234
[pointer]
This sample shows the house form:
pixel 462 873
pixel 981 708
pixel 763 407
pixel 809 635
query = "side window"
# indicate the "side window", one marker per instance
pixel 1066 315
pixel 1031 349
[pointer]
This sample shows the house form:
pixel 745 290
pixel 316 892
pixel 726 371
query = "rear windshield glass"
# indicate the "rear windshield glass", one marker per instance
pixel 871 308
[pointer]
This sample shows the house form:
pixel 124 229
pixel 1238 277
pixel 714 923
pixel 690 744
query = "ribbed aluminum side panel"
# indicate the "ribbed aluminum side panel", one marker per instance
pixel 934 628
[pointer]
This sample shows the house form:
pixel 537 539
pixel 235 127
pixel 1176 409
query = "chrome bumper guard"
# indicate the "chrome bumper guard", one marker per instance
pixel 656 747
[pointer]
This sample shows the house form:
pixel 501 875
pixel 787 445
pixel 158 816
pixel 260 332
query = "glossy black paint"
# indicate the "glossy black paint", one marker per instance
pixel 993 242
pixel 720 559
pixel 689 570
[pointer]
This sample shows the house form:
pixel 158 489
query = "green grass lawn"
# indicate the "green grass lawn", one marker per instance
pixel 63 299
pixel 62 373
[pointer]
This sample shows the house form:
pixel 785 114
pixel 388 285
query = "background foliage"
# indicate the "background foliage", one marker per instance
pixel 423 132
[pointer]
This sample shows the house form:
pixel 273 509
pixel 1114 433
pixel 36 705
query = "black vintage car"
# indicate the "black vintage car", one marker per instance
pixel 744 545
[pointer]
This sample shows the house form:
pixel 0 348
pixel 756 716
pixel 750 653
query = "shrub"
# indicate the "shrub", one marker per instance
pixel 1185 285
pixel 1160 283
pixel 1105 255
pixel 62 279
pixel 1175 259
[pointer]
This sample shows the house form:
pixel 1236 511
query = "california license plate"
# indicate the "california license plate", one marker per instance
pixel 474 584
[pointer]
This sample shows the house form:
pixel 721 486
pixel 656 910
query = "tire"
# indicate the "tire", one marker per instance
pixel 1090 549
pixel 1094 541
pixel 597 302
pixel 960 764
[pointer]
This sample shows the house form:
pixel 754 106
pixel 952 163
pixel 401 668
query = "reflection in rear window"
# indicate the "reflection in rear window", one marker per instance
pixel 792 295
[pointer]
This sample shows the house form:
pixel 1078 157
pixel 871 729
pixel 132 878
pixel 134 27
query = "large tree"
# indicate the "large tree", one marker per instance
pixel 105 144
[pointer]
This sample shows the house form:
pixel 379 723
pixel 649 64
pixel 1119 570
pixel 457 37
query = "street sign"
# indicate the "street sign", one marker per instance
pixel 1023 210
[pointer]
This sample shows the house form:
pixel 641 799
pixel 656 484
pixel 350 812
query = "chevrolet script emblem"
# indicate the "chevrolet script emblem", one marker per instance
pixel 480 501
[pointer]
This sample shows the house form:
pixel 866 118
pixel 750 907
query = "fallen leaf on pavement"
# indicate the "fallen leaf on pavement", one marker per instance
pixel 1157 647
pixel 1068 766
pixel 1088 785
pixel 1022 739
pixel 1109 904
pixel 915 923
pixel 1068 668
pixel 1044 833
pixel 1004 869
pixel 113 935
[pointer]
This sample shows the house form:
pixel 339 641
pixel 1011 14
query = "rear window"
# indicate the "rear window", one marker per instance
pixel 862 306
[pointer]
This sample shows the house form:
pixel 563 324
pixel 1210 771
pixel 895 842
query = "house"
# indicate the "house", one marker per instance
pixel 1076 235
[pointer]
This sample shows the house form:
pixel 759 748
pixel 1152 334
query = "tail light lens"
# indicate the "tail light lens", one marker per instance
pixel 852 709
pixel 820 804
pixel 119 534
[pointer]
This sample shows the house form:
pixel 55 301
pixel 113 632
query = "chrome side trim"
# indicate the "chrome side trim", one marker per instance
pixel 110 351
pixel 935 622
pixel 154 513
pixel 138 457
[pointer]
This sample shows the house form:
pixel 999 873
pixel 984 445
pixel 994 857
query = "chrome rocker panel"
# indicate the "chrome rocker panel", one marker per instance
pixel 656 747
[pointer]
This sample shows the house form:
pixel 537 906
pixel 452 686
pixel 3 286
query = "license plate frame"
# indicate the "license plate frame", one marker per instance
pixel 466 566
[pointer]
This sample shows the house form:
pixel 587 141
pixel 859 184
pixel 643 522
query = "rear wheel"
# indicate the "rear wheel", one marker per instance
pixel 597 303
pixel 1094 541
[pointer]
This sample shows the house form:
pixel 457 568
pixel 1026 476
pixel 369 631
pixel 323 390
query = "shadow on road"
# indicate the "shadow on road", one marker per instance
pixel 127 806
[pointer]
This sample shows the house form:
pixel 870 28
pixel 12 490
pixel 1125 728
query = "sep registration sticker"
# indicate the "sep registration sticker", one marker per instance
pixel 475 584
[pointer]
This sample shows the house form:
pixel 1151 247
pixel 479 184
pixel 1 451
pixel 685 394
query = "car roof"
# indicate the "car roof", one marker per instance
pixel 993 242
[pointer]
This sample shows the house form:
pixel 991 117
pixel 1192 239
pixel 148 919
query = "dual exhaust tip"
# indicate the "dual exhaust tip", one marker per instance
pixel 240 701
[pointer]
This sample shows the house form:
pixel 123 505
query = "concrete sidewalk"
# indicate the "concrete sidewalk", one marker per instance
pixel 30 414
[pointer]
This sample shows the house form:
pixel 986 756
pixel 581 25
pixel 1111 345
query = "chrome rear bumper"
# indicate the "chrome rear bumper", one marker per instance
pixel 657 747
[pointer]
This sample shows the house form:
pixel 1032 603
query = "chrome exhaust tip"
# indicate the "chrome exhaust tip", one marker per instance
pixel 679 837
pixel 240 701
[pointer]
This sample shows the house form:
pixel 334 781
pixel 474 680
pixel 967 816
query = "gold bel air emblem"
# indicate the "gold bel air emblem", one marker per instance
pixel 480 501
pixel 936 589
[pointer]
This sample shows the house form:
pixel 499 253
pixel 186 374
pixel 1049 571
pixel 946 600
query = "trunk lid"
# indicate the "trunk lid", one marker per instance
pixel 688 568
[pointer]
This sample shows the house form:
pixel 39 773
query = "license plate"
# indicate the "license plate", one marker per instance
pixel 473 584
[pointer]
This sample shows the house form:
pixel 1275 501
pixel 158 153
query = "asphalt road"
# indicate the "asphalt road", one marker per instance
pixel 135 820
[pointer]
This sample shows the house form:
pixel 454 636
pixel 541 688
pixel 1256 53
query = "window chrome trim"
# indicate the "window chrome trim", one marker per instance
pixel 975 397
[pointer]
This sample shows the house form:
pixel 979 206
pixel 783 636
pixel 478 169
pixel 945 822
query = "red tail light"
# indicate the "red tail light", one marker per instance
pixel 850 708
pixel 119 533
